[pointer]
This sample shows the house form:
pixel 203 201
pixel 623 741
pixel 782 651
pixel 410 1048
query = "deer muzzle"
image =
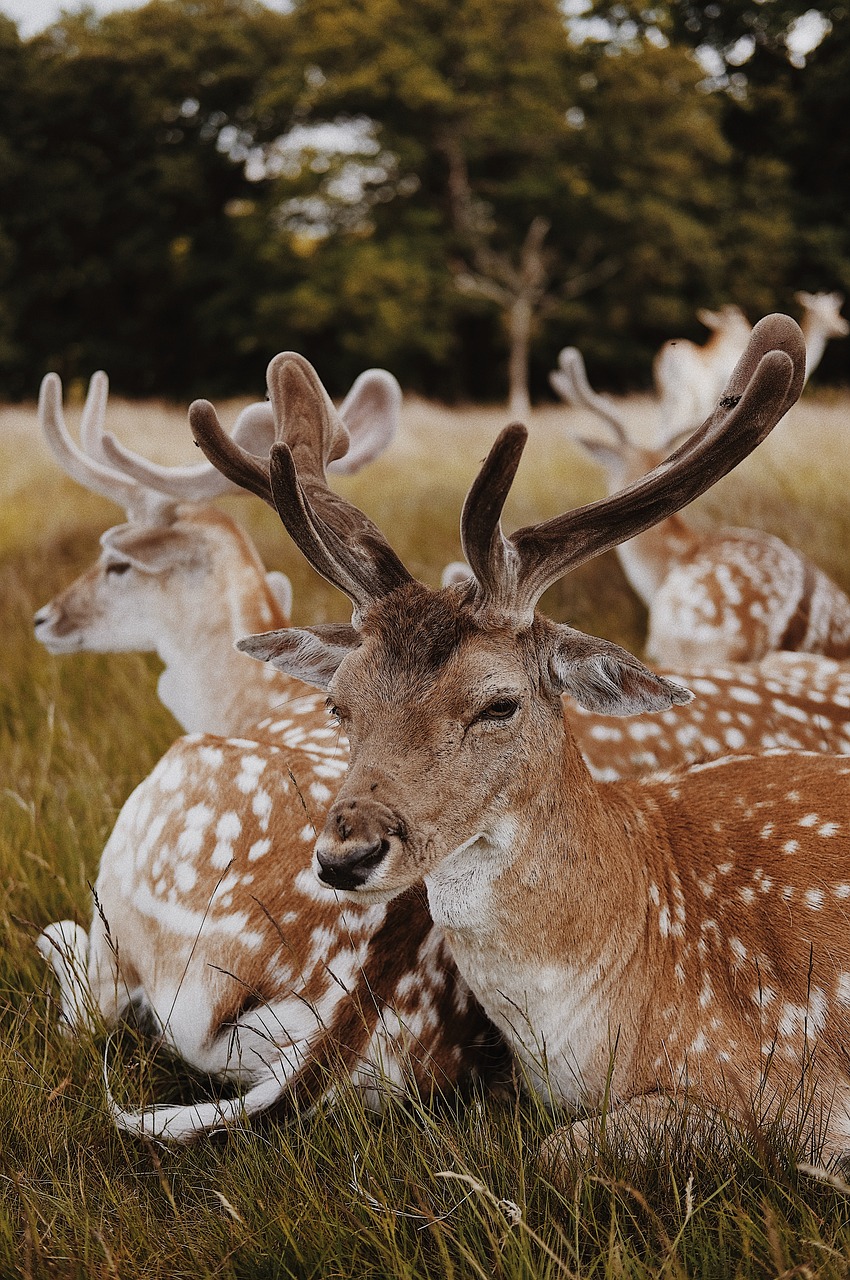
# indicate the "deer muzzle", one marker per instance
pixel 357 837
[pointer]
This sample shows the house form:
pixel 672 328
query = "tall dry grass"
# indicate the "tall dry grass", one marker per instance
pixel 444 1192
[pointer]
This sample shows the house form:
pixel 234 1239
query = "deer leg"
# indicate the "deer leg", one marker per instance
pixel 65 946
pixel 641 1126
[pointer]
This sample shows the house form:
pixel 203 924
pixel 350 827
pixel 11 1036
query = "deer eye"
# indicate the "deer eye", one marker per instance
pixel 118 567
pixel 334 711
pixel 500 710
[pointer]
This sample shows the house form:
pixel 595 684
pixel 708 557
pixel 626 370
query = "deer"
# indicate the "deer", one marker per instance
pixel 182 578
pixel 729 595
pixel 822 320
pixel 207 922
pixel 682 934
pixel 688 378
pixel 190 586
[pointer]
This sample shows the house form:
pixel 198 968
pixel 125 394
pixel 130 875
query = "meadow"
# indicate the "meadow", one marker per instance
pixel 450 1190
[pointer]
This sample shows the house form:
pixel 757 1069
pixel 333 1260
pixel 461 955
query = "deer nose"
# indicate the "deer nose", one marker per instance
pixel 352 868
pixel 355 840
pixel 41 617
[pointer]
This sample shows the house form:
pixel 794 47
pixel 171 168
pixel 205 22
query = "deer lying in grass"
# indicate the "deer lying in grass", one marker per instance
pixel 732 595
pixel 207 918
pixel 689 378
pixel 184 579
pixel 629 939
pixel 188 582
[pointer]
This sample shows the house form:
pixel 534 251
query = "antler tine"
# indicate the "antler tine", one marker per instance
pixel 358 560
pixel 243 468
pixel 252 431
pixel 490 555
pixel 336 537
pixel 574 387
pixel 87 471
pixel 94 416
pixel 370 413
pixel 766 382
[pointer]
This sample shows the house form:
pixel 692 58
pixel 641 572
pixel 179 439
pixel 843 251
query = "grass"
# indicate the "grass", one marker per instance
pixel 449 1191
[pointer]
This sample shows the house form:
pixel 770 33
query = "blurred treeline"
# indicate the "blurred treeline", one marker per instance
pixel 189 187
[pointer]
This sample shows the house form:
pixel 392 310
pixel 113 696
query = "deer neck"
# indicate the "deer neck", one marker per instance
pixel 546 915
pixel 207 685
pixel 648 559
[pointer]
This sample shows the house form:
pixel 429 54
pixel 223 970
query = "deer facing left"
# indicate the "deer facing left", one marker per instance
pixel 181 578
pixel 692 926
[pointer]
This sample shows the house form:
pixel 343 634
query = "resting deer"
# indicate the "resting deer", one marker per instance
pixel 187 581
pixel 732 595
pixel 182 578
pixel 628 938
pixel 208 921
pixel 688 378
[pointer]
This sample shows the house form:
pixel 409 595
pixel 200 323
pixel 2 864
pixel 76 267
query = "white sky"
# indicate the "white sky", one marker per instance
pixel 34 15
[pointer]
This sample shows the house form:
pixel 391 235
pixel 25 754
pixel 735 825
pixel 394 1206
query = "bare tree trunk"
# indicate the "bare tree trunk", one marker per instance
pixel 519 336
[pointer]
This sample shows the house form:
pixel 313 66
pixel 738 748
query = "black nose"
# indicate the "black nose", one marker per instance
pixel 353 868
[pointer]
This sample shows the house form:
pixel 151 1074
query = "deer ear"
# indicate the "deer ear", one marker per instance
pixel 606 679
pixel 311 654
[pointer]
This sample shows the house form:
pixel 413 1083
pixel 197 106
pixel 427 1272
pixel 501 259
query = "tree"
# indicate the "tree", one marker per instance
pixel 129 155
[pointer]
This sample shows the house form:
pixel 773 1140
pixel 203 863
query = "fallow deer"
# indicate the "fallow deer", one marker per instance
pixel 630 939
pixel 730 595
pixel 688 378
pixel 182 578
pixel 822 320
pixel 208 921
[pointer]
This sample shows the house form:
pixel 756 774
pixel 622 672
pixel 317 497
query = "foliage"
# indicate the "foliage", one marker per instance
pixel 362 180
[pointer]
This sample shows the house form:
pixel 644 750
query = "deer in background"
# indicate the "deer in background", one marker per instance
pixel 689 378
pixel 207 919
pixel 732 595
pixel 182 578
pixel 632 940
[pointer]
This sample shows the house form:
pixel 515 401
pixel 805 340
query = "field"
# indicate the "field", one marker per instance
pixel 450 1191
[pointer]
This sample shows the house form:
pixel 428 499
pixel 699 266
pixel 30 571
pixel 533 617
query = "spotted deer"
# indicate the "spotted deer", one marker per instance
pixel 182 578
pixel 209 923
pixel 630 939
pixel 729 595
pixel 688 378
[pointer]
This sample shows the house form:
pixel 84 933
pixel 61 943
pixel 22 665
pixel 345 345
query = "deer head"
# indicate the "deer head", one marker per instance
pixel 452 698
pixel 160 567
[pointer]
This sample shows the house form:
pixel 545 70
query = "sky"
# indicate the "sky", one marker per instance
pixel 34 15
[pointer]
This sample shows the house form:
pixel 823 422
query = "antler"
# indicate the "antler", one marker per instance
pixel 253 431
pixel 511 573
pixel 340 542
pixel 370 413
pixel 570 381
pixel 139 502
pixel 514 572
